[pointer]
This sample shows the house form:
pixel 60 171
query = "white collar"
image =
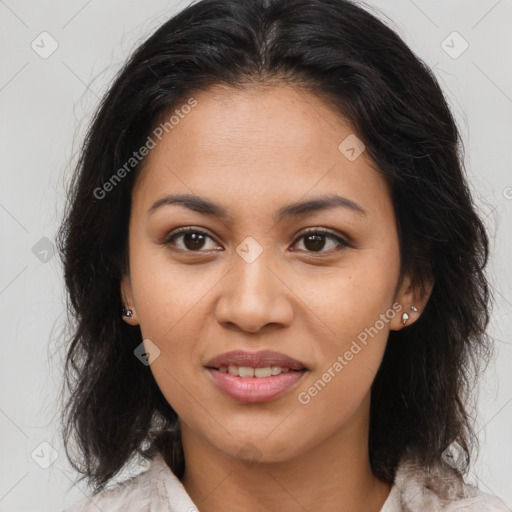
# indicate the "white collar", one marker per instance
pixel 415 489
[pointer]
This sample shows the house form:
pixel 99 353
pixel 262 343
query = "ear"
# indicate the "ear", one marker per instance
pixel 127 299
pixel 412 299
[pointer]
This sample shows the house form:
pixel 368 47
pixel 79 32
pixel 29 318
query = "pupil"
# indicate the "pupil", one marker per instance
pixel 318 242
pixel 193 240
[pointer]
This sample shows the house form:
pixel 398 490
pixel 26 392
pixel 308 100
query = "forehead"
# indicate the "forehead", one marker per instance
pixel 262 143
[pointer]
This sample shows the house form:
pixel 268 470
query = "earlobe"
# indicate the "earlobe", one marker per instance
pixel 128 311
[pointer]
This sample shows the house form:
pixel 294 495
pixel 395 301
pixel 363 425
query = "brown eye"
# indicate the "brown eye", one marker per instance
pixel 316 241
pixel 192 240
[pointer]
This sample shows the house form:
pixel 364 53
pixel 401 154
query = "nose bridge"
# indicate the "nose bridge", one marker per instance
pixel 251 273
pixel 251 264
pixel 253 295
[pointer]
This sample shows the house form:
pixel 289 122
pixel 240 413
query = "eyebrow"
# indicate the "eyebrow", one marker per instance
pixel 206 207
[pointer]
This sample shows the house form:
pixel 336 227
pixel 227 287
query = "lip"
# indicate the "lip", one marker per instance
pixel 259 359
pixel 250 390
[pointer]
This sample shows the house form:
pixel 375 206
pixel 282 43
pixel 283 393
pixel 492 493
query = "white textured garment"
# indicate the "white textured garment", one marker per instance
pixel 157 489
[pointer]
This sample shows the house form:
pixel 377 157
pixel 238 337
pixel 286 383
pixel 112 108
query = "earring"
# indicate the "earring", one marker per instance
pixel 127 312
pixel 405 316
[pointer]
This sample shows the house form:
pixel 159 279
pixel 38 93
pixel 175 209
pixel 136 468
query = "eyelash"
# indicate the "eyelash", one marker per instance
pixel 311 231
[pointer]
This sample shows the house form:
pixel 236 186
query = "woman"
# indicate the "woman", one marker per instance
pixel 277 272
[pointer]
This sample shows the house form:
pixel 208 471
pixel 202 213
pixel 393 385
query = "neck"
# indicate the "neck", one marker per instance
pixel 333 476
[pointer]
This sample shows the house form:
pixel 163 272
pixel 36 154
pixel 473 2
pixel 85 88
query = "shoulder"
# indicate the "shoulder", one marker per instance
pixel 440 489
pixel 136 493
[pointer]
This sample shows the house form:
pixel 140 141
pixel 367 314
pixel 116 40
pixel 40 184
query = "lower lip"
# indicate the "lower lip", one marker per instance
pixel 251 390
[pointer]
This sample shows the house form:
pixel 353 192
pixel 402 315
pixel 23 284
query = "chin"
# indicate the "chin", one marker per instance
pixel 251 450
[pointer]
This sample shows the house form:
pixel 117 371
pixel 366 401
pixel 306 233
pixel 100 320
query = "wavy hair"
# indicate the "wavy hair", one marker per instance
pixel 360 67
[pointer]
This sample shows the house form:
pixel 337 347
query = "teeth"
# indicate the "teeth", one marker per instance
pixel 263 372
pixel 244 371
pixel 247 371
pixel 232 370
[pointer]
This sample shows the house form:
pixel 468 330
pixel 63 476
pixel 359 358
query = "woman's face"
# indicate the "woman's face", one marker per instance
pixel 253 279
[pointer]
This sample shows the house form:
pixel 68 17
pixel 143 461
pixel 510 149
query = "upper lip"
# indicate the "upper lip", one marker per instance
pixel 259 359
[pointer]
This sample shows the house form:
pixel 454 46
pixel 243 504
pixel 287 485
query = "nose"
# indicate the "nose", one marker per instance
pixel 254 296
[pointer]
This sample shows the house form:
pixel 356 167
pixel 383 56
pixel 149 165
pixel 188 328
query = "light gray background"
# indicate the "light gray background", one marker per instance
pixel 45 106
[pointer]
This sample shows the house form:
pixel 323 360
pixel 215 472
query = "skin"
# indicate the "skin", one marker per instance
pixel 253 152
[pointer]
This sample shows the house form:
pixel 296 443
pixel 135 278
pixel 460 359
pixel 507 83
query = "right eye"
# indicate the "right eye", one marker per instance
pixel 192 239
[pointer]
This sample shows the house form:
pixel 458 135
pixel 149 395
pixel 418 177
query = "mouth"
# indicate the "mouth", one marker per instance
pixel 253 377
pixel 259 372
pixel 262 360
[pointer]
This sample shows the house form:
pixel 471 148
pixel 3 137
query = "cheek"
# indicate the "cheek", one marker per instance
pixel 353 299
pixel 355 303
pixel 349 363
pixel 165 291
pixel 176 370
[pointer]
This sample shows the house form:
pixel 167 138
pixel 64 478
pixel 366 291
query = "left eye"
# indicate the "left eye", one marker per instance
pixel 194 240
pixel 315 241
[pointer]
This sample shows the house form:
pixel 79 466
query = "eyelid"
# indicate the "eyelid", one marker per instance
pixel 324 231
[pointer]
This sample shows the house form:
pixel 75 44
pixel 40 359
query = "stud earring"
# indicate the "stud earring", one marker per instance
pixel 405 316
pixel 127 312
